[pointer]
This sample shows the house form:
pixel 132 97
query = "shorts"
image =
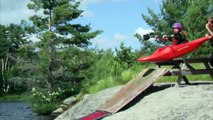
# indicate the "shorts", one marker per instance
pixel 211 43
pixel 211 60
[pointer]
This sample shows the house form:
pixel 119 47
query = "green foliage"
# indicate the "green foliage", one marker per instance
pixel 13 38
pixel 58 35
pixel 125 56
pixel 110 81
pixel 103 67
pixel 103 84
pixel 4 43
pixel 17 85
pixel 195 23
pixel 57 58
pixel 44 102
pixel 44 108
pixel 191 78
pixel 127 76
pixel 13 97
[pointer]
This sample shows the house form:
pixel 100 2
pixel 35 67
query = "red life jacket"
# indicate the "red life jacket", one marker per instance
pixel 179 38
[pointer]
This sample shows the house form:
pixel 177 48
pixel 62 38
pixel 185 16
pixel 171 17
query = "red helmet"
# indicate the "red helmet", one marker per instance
pixel 176 26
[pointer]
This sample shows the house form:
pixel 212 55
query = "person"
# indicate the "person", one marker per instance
pixel 209 28
pixel 179 36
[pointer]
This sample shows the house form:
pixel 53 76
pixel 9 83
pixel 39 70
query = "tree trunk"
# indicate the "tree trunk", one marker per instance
pixel 2 78
pixel 50 77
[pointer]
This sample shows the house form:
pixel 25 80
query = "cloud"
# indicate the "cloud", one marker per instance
pixel 120 0
pixel 84 6
pixel 14 11
pixel 86 3
pixel 103 42
pixel 120 37
pixel 143 31
pixel 158 1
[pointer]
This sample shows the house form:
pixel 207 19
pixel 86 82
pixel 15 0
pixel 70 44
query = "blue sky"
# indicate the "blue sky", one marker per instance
pixel 118 19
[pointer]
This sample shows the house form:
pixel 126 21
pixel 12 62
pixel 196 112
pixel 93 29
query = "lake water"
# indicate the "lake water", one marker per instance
pixel 19 111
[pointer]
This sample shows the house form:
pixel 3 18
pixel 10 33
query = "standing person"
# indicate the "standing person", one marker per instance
pixel 178 37
pixel 209 27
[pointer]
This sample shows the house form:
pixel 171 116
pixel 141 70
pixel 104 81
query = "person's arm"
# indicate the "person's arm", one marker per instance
pixel 209 30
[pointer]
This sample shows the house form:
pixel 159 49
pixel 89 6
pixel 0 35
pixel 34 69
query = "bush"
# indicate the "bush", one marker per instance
pixel 17 85
pixel 44 102
pixel 45 108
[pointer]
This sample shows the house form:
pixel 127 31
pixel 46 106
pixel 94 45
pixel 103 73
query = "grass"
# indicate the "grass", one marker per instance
pixel 202 77
pixel 13 97
pixel 44 108
pixel 110 81
pixel 127 75
pixel 189 77
pixel 103 84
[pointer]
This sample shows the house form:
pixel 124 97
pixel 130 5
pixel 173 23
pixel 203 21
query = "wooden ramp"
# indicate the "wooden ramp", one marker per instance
pixel 132 89
pixel 126 94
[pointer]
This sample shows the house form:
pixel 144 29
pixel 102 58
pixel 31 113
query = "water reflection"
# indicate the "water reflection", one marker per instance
pixel 19 111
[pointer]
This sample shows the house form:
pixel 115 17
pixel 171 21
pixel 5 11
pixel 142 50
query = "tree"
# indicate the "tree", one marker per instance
pixel 3 52
pixel 195 21
pixel 12 37
pixel 57 31
pixel 191 13
pixel 124 56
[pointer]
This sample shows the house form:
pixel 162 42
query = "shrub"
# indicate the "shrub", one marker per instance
pixel 44 108
pixel 44 102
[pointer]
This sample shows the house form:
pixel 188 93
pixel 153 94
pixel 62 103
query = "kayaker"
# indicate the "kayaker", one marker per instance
pixel 179 36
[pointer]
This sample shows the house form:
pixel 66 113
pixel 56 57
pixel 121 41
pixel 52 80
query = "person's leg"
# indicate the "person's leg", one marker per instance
pixel 211 60
pixel 211 57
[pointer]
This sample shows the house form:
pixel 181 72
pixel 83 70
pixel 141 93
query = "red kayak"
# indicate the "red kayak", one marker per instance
pixel 170 52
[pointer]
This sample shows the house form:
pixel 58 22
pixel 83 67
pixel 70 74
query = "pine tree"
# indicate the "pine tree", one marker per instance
pixel 56 29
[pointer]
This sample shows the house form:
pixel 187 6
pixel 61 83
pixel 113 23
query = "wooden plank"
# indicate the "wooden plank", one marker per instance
pixel 181 60
pixel 188 72
pixel 142 81
pixel 208 67
pixel 197 60
pixel 182 78
pixel 173 62
pixel 181 73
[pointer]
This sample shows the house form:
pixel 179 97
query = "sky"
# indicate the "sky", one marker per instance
pixel 118 19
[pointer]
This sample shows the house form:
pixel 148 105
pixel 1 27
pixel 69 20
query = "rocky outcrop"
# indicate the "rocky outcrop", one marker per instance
pixel 67 103
pixel 88 105
pixel 162 102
